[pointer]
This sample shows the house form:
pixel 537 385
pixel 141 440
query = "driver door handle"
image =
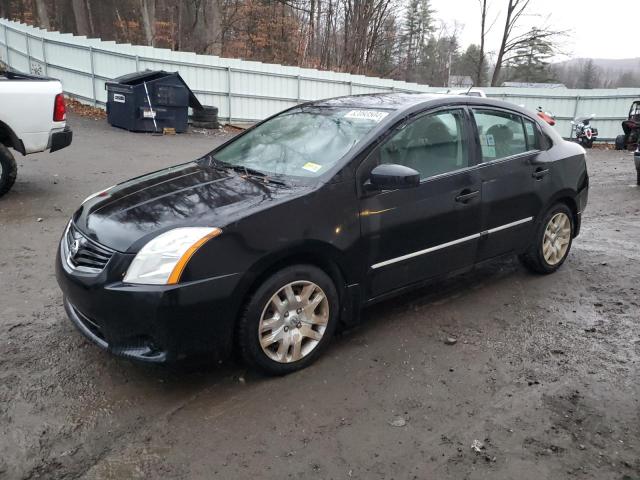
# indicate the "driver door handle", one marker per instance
pixel 539 173
pixel 466 196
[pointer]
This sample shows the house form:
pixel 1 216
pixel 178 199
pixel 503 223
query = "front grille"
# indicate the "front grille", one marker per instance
pixel 84 254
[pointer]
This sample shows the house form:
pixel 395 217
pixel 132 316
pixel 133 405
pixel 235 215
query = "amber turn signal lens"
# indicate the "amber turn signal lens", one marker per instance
pixel 176 273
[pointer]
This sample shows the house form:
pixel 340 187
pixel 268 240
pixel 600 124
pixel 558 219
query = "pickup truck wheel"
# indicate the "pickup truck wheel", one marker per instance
pixel 289 320
pixel 8 170
pixel 551 242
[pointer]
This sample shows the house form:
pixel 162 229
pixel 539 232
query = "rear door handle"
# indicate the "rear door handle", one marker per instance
pixel 540 173
pixel 466 196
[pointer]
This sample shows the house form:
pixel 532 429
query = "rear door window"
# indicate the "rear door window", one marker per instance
pixel 501 134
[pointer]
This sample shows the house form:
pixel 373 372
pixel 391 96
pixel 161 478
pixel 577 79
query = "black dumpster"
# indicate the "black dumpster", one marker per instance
pixel 149 101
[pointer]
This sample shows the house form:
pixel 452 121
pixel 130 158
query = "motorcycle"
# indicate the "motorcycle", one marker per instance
pixel 582 131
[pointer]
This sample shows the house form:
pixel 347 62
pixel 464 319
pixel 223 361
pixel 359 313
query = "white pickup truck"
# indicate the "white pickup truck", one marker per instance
pixel 32 119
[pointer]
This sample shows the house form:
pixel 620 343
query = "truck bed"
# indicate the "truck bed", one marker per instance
pixel 7 75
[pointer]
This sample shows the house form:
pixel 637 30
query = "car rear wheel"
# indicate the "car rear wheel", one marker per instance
pixel 8 170
pixel 552 241
pixel 289 320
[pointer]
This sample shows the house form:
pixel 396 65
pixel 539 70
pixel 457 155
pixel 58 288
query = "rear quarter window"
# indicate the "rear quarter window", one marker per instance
pixel 532 133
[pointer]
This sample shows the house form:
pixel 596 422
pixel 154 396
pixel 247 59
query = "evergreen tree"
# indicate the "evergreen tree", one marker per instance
pixel 467 64
pixel 439 57
pixel 418 26
pixel 531 60
pixel 589 75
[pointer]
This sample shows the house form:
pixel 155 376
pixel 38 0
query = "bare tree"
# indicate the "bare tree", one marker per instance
pixel 514 47
pixel 199 28
pixel 81 15
pixel 515 10
pixel 40 8
pixel 148 14
pixel 483 33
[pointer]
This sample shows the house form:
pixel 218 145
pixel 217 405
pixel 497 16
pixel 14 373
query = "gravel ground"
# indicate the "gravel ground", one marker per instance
pixel 543 379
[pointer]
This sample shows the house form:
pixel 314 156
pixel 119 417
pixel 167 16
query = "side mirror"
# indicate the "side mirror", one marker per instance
pixel 391 177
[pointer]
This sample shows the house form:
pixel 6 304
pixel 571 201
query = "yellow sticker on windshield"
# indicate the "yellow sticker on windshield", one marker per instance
pixel 312 167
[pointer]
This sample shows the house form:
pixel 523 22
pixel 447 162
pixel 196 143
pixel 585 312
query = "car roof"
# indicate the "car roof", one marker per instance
pixel 387 101
pixel 402 102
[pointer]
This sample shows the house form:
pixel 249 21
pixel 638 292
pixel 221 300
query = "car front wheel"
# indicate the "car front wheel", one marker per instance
pixel 289 320
pixel 8 170
pixel 552 241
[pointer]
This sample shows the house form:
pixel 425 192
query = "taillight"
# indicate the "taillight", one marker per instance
pixel 59 110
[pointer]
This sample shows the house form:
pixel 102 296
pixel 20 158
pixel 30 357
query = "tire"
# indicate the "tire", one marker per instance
pixel 621 141
pixel 205 117
pixel 8 170
pixel 206 114
pixel 534 257
pixel 282 353
pixel 585 142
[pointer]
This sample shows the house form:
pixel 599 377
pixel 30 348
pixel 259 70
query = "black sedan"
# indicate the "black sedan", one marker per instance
pixel 273 239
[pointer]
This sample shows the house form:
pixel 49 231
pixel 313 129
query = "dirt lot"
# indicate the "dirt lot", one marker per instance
pixel 544 374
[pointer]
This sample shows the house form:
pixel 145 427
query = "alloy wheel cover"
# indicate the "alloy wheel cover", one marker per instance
pixel 556 238
pixel 293 321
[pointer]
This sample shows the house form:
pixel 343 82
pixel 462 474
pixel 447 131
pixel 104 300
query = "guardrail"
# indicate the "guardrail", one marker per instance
pixel 246 91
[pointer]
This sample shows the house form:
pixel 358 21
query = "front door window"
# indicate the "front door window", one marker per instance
pixel 432 144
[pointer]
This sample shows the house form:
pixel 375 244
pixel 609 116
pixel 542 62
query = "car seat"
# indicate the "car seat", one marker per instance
pixel 502 138
pixel 431 149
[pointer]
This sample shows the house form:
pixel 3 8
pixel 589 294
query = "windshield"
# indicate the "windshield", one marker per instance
pixel 305 142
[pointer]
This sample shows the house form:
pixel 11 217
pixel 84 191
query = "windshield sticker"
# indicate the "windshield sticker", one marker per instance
pixel 490 141
pixel 312 167
pixel 374 115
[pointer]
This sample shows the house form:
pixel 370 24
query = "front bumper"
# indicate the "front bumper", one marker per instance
pixel 151 323
pixel 61 139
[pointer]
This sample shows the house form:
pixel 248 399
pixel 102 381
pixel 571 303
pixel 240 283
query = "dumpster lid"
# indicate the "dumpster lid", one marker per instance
pixel 136 78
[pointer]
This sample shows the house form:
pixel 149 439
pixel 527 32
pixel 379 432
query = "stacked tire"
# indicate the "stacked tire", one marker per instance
pixel 205 117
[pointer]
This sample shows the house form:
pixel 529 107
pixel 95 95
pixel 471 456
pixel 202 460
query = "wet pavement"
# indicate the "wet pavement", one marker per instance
pixel 543 380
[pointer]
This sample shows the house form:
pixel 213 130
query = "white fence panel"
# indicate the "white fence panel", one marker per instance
pixel 250 91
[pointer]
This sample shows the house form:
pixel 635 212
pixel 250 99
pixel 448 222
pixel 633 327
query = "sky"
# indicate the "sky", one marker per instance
pixel 599 29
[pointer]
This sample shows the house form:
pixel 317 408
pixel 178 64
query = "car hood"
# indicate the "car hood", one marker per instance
pixel 128 215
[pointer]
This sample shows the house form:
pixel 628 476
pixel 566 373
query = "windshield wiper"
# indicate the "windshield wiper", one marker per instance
pixel 247 171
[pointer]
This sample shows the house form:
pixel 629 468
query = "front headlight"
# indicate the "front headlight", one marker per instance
pixel 163 259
